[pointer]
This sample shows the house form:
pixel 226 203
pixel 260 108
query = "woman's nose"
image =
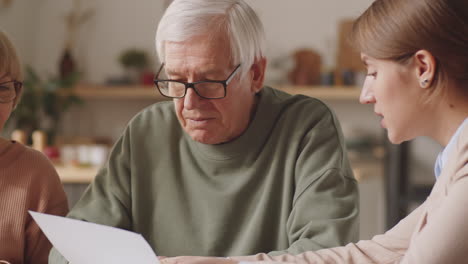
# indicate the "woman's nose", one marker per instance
pixel 367 96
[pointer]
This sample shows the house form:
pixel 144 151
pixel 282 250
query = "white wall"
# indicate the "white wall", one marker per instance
pixel 18 20
pixel 290 25
pixel 120 24
pixel 116 25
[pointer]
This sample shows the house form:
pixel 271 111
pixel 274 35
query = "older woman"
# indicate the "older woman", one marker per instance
pixel 416 53
pixel 28 180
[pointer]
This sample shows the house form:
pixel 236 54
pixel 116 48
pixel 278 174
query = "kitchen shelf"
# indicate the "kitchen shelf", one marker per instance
pixel 150 92
pixel 76 175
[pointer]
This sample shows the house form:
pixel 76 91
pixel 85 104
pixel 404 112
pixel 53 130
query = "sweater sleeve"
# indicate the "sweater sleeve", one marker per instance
pixel 107 199
pixel 387 248
pixel 46 196
pixel 326 201
pixel 444 239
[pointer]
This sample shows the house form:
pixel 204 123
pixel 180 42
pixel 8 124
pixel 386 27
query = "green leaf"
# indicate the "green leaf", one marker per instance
pixel 44 97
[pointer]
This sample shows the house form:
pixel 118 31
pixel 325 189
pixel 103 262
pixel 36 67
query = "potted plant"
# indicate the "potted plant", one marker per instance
pixel 43 103
pixel 135 62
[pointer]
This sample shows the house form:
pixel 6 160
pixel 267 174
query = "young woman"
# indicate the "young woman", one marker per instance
pixel 28 180
pixel 416 53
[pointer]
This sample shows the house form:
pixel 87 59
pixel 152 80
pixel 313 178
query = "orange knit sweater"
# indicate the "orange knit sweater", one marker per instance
pixel 28 181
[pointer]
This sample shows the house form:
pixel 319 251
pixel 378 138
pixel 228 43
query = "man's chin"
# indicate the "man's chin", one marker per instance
pixel 205 138
pixel 207 142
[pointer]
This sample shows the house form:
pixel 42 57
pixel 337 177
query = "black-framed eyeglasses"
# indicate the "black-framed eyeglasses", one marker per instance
pixel 205 89
pixel 9 90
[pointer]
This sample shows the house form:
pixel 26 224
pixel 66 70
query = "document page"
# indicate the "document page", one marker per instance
pixel 81 242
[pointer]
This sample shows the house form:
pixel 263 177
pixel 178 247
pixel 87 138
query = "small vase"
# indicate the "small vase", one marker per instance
pixel 67 64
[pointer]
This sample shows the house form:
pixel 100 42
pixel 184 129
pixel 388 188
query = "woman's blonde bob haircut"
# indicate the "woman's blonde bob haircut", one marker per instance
pixel 10 66
pixel 396 29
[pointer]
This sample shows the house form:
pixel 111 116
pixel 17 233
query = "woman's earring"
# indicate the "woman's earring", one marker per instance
pixel 424 83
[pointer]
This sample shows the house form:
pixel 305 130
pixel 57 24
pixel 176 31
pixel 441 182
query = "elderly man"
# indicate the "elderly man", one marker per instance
pixel 229 167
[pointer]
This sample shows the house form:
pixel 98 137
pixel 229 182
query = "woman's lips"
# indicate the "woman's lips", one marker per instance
pixel 382 123
pixel 382 120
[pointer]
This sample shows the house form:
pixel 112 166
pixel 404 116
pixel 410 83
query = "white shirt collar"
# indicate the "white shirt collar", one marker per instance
pixel 443 156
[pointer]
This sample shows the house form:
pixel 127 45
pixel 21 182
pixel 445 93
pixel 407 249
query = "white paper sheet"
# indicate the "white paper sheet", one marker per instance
pixel 88 243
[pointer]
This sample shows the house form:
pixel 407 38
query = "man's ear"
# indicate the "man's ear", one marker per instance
pixel 258 74
pixel 426 66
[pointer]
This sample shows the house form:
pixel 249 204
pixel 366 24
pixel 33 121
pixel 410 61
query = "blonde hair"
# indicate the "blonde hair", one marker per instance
pixel 9 62
pixel 396 29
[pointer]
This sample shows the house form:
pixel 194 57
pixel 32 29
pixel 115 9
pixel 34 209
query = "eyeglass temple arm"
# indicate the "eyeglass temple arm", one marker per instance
pixel 232 74
pixel 159 71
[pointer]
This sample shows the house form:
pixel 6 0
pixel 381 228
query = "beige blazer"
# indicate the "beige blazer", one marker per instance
pixel 436 232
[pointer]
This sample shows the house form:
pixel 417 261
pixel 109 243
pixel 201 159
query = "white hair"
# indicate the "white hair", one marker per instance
pixel 185 19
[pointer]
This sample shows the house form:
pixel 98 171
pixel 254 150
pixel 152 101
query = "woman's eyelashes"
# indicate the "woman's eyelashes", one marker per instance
pixel 372 74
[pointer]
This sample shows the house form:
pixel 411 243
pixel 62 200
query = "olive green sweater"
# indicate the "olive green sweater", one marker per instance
pixel 284 185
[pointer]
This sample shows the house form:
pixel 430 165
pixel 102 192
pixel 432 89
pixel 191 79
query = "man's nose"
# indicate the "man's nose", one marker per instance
pixel 192 100
pixel 367 95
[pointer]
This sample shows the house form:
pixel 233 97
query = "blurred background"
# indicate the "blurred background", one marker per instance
pixel 89 66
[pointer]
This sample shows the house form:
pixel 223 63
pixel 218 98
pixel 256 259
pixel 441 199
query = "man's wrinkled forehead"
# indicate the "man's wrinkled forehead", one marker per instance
pixel 196 55
pixel 207 71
